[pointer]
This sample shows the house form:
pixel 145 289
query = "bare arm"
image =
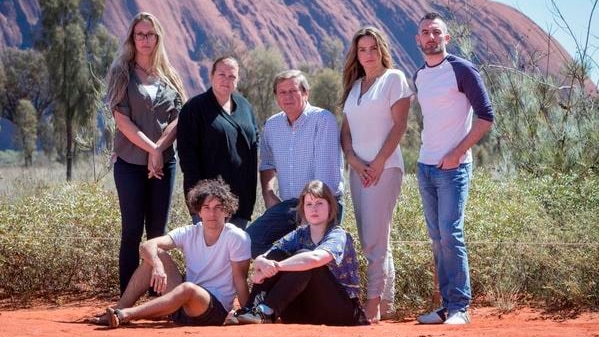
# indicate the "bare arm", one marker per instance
pixel 240 274
pixel 399 114
pixel 265 268
pixel 356 163
pixel 168 136
pixel 155 160
pixel 267 181
pixel 133 133
pixel 149 253
pixel 305 261
pixel 479 129
pixel 137 137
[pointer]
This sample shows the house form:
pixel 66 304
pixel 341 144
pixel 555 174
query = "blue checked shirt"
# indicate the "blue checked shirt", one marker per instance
pixel 307 150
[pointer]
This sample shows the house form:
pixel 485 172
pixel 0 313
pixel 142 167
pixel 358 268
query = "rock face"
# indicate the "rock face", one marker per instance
pixel 298 28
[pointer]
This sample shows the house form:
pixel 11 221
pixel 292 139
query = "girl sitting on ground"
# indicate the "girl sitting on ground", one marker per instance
pixel 311 274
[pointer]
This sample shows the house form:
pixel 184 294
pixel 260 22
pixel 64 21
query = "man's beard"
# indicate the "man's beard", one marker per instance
pixel 437 49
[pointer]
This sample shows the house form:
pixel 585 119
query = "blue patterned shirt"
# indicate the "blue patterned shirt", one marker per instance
pixel 307 150
pixel 338 243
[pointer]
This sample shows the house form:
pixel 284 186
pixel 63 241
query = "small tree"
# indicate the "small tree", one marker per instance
pixel 26 121
pixel 258 70
pixel 25 77
pixel 46 136
pixel 332 53
pixel 68 43
pixel 325 90
pixel 546 125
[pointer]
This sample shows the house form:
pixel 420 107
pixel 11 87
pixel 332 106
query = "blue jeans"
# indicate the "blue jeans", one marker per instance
pixel 275 223
pixel 444 194
pixel 144 203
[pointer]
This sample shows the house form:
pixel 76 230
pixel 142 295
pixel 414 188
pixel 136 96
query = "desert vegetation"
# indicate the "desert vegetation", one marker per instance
pixel 531 221
pixel 532 240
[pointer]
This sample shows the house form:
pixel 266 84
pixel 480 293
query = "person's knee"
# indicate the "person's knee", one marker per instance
pixel 277 255
pixel 255 227
pixel 322 270
pixel 163 254
pixel 186 290
pixel 452 239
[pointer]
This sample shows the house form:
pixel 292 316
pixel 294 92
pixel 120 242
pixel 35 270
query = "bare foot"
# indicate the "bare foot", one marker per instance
pixel 387 310
pixel 372 310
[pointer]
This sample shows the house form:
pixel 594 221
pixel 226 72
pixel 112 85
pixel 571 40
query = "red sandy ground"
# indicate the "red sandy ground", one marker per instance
pixel 66 320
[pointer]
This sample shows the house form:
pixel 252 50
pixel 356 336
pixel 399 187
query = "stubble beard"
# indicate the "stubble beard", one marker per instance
pixel 436 50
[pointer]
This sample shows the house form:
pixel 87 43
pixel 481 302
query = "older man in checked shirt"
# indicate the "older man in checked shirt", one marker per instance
pixel 298 144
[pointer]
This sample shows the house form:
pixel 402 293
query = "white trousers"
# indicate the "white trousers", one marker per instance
pixel 373 208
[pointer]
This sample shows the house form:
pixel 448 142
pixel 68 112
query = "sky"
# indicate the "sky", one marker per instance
pixel 576 13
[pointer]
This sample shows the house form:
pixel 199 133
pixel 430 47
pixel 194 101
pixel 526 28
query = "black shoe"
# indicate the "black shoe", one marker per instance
pixel 254 316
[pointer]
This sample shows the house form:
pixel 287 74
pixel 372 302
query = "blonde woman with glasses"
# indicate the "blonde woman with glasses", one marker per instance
pixel 145 95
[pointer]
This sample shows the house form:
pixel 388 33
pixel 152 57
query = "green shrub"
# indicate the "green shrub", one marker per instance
pixel 529 239
pixel 62 240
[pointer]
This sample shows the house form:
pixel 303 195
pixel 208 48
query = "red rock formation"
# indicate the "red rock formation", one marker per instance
pixel 297 28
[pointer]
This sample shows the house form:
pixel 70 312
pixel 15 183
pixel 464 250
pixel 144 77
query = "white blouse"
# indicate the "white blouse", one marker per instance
pixel 369 116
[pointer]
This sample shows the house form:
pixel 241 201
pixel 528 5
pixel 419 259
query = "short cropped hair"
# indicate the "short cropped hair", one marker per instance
pixel 431 16
pixel 291 74
pixel 207 189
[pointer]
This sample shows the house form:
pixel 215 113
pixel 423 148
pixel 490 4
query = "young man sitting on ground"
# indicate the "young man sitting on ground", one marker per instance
pixel 217 258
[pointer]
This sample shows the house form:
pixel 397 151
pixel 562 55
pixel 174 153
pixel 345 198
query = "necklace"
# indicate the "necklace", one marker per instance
pixel 150 78
pixel 145 71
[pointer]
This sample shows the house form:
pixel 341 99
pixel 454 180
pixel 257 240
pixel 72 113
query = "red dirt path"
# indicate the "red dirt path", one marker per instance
pixel 65 320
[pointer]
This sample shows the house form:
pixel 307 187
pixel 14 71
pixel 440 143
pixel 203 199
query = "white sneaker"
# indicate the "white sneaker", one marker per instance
pixel 434 317
pixel 457 318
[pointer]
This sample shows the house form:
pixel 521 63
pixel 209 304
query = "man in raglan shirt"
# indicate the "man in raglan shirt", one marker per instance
pixel 450 90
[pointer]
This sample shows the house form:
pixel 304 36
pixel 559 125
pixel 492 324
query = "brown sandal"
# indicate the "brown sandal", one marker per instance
pixel 115 318
pixel 98 320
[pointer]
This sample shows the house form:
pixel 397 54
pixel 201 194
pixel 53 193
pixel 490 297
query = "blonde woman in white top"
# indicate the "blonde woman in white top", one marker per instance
pixel 376 100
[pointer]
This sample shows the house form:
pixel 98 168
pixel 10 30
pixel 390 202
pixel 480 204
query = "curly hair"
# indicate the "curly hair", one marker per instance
pixel 207 189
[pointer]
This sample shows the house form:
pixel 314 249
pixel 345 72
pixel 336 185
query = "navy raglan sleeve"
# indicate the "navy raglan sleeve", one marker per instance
pixel 472 85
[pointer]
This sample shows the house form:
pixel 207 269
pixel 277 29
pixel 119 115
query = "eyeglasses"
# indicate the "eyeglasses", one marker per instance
pixel 148 36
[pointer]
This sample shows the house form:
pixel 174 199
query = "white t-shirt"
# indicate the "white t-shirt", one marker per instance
pixel 449 93
pixel 370 121
pixel 210 266
pixel 152 89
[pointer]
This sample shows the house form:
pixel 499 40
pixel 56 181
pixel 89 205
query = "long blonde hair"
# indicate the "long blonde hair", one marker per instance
pixel 118 74
pixel 353 69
